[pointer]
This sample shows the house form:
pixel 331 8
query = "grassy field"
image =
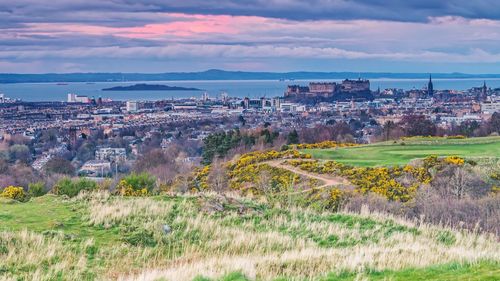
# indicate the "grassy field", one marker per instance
pixel 390 153
pixel 103 237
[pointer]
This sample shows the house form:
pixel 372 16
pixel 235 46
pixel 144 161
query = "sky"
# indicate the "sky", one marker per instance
pixel 151 36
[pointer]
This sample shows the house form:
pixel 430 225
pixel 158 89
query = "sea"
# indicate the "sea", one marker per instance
pixel 33 92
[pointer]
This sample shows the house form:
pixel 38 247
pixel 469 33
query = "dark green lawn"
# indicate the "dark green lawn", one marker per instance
pixel 396 154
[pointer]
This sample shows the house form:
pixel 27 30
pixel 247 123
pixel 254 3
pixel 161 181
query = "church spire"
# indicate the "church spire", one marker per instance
pixel 430 87
pixel 484 93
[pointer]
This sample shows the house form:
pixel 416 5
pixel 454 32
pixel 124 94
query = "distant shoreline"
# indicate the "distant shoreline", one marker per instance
pixel 150 87
pixel 221 75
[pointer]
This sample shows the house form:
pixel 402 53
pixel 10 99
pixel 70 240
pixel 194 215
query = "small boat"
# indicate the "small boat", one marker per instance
pixel 62 84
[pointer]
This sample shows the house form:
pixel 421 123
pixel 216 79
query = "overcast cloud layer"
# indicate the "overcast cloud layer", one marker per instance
pixel 273 35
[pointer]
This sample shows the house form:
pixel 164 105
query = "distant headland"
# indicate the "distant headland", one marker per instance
pixel 150 87
pixel 215 74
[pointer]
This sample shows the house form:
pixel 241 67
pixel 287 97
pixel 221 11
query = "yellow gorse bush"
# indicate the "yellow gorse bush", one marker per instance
pixel 454 160
pixel 438 163
pixel 380 180
pixel 200 179
pixel 456 137
pixel 323 145
pixel 14 192
pixel 126 189
pixel 244 171
pixel 261 156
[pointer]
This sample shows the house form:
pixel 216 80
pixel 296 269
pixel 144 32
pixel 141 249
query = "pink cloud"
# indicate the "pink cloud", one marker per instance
pixel 181 26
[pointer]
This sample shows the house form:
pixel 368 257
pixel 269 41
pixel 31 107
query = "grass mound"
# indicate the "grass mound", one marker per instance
pixel 214 237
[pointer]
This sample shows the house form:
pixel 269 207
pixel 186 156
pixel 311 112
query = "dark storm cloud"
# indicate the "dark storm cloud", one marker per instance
pixel 397 10
pixel 128 12
pixel 92 12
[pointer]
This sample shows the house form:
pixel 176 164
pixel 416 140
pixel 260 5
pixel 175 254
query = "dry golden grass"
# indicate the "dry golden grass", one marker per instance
pixel 107 212
pixel 261 242
pixel 30 250
pixel 252 253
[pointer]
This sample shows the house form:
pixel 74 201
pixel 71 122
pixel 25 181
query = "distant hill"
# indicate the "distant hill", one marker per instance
pixel 148 87
pixel 215 74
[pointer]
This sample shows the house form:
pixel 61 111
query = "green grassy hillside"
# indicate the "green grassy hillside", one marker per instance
pixel 213 237
pixel 402 152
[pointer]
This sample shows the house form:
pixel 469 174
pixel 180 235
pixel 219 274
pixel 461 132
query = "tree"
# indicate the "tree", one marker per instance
pixel 331 122
pixel 388 127
pixel 86 151
pixel 293 137
pixel 264 184
pixel 22 174
pixel 495 123
pixel 59 166
pixel 219 144
pixel 418 125
pixel 268 136
pixel 242 120
pixel 49 137
pixel 153 159
pixel 19 139
pixel 218 178
pixel 20 152
pixel 4 166
pixel 459 182
pixel 468 128
pixel 355 124
pixel 341 129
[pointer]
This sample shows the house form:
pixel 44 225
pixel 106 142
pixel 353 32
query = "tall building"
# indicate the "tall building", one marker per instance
pixel 132 106
pixel 72 98
pixel 111 154
pixel 205 96
pixel 430 87
pixel 224 96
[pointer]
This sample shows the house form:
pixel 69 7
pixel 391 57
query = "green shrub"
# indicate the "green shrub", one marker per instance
pixel 137 184
pixel 285 147
pixel 140 237
pixel 37 189
pixel 71 187
pixel 446 237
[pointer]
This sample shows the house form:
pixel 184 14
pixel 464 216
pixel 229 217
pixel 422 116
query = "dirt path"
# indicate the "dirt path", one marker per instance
pixel 328 180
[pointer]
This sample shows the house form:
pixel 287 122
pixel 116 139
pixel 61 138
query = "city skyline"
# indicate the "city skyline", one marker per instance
pixel 152 36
